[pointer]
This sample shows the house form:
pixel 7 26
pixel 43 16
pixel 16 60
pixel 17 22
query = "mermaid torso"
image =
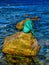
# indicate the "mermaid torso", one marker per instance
pixel 28 27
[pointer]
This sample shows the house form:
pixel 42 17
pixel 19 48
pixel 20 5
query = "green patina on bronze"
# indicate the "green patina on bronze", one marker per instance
pixel 28 27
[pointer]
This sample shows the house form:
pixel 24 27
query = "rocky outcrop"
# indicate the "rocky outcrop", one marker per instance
pixel 20 47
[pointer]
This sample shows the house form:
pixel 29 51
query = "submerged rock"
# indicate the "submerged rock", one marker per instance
pixel 20 47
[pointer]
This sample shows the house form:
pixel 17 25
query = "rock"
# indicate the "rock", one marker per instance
pixel 41 62
pixel 2 62
pixel 47 63
pixel 20 47
pixel 47 56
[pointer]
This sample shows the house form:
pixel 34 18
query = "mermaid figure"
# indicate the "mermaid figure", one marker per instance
pixel 27 25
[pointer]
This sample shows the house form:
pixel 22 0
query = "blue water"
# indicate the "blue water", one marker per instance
pixel 10 15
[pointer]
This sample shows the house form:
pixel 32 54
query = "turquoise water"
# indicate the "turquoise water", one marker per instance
pixel 10 15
